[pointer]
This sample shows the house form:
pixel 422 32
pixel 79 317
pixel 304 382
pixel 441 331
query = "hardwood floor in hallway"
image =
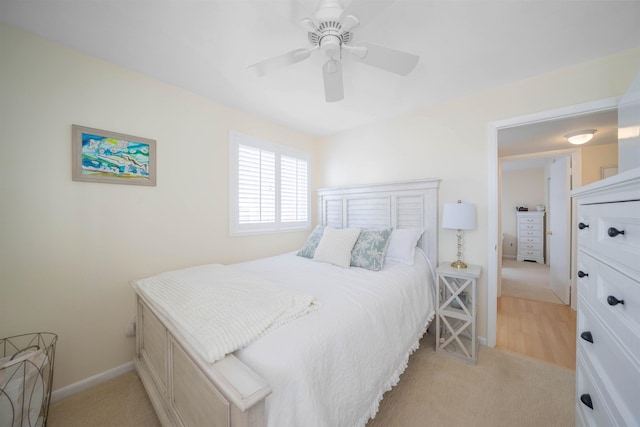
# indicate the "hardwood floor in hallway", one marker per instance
pixel 537 329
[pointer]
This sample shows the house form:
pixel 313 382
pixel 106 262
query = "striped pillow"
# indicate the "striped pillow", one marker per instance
pixel 335 246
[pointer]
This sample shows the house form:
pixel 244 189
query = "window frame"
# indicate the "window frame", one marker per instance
pixel 235 228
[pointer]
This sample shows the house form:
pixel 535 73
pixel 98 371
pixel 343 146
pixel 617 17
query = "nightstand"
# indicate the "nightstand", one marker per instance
pixel 456 311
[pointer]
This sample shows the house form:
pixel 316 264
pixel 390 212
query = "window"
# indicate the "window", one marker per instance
pixel 269 187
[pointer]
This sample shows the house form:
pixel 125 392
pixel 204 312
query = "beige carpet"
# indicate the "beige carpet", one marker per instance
pixel 528 280
pixel 504 389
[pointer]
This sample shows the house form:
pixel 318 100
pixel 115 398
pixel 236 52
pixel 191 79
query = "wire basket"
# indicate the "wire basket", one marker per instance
pixel 26 373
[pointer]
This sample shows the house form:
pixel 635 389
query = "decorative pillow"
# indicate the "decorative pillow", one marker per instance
pixel 402 244
pixel 309 247
pixel 370 249
pixel 335 246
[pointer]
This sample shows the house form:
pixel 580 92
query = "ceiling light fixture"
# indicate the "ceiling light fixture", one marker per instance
pixel 581 136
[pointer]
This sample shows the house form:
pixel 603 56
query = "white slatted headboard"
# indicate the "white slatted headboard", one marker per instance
pixel 405 204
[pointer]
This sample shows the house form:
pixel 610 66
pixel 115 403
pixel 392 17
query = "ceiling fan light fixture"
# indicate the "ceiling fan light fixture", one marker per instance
pixel 581 136
pixel 330 46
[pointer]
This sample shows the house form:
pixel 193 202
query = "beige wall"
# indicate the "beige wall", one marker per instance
pixel 68 249
pixel 523 187
pixel 449 141
pixel 595 158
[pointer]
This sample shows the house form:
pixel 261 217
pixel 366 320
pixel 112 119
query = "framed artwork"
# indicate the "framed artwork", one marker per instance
pixel 111 157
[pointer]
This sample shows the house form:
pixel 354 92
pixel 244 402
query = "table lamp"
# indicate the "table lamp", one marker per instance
pixel 459 216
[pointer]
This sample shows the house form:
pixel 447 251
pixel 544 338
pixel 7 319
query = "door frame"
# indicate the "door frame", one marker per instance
pixel 494 220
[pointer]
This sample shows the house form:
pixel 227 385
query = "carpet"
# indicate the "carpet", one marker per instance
pixel 528 280
pixel 504 389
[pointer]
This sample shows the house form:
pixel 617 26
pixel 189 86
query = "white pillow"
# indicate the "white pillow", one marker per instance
pixel 402 244
pixel 335 246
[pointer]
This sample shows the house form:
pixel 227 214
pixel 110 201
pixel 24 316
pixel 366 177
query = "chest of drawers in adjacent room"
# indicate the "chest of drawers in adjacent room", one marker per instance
pixel 530 230
pixel 608 284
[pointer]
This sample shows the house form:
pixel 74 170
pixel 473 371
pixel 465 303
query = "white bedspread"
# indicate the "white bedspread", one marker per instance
pixel 332 366
pixel 219 309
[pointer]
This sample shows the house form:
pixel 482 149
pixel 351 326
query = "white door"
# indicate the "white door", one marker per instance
pixel 559 227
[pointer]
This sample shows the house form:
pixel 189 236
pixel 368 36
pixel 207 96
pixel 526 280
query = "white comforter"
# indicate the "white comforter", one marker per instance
pixel 332 366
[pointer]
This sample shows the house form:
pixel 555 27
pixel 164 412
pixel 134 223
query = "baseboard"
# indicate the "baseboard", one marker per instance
pixel 482 340
pixel 508 256
pixel 82 385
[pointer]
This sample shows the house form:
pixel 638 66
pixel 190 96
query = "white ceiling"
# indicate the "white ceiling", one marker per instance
pixel 205 46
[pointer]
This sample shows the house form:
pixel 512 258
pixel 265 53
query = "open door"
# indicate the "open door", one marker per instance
pixel 560 228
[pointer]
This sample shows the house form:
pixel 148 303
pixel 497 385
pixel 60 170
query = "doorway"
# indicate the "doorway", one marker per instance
pixel 532 319
pixel 495 237
pixel 535 223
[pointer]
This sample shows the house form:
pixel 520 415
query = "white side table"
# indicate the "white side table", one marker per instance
pixel 456 311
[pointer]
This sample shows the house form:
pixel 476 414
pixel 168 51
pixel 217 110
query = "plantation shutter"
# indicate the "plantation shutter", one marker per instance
pixel 256 185
pixel 294 189
pixel 269 187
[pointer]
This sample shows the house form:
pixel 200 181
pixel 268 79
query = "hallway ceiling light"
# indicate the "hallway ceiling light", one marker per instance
pixel 581 136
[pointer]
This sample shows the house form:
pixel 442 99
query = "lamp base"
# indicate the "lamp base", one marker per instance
pixel 458 264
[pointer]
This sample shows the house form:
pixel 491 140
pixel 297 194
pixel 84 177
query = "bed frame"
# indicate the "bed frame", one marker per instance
pixel 187 391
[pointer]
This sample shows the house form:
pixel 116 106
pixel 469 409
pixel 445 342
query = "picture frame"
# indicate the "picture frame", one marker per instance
pixel 111 157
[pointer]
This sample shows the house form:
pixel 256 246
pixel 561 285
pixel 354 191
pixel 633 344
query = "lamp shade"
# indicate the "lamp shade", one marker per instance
pixel 459 216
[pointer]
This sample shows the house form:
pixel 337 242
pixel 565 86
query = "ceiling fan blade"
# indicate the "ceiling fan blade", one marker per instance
pixel 333 87
pixel 385 58
pixel 289 58
pixel 365 10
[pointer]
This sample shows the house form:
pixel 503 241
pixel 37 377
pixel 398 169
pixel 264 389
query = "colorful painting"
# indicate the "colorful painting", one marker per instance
pixel 103 156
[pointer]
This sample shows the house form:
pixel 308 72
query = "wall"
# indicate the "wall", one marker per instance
pixel 595 158
pixel 522 187
pixel 629 128
pixel 69 249
pixel 449 141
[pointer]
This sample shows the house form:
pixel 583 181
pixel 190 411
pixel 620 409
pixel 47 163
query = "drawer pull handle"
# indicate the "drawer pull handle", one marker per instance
pixel 586 335
pixel 582 274
pixel 614 301
pixel 586 399
pixel 582 226
pixel 613 232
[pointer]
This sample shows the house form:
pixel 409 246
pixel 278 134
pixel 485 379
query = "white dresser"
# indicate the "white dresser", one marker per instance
pixel 530 236
pixel 608 283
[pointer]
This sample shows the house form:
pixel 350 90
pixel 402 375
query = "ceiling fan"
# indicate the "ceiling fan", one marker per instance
pixel 330 30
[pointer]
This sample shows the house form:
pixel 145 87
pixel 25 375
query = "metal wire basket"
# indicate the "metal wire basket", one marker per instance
pixel 26 373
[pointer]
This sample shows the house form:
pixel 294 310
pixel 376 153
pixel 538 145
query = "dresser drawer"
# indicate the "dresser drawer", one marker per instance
pixel 531 227
pixel 622 319
pixel 618 372
pixel 612 230
pixel 585 275
pixel 530 220
pixel 586 215
pixel 523 234
pixel 603 412
pixel 530 253
pixel 530 246
pixel 531 240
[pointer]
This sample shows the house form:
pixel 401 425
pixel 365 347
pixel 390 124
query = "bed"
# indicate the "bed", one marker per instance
pixel 329 366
